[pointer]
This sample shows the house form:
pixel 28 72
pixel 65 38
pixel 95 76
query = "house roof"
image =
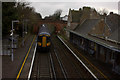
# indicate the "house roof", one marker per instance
pixel 115 35
pixel 100 30
pixel 112 21
pixel 86 26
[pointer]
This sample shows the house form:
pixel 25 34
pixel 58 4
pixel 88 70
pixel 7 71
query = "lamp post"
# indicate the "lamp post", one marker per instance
pixel 13 21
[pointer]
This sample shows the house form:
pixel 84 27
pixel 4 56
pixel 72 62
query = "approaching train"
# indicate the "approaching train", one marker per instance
pixel 43 39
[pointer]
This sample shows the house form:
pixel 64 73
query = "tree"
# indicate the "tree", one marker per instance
pixel 56 15
pixel 58 12
pixel 8 14
pixel 103 11
pixel 18 11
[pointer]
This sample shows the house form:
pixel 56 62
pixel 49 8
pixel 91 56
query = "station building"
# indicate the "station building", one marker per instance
pixel 97 36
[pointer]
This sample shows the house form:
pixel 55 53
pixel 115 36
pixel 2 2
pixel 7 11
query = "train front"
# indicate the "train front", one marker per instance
pixel 43 39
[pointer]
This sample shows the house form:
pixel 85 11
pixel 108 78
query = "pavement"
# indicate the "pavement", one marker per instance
pixel 10 68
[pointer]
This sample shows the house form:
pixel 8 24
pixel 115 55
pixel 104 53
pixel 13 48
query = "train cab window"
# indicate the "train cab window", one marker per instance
pixel 39 39
pixel 48 39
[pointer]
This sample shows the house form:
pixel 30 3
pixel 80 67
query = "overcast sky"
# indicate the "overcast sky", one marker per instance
pixel 46 7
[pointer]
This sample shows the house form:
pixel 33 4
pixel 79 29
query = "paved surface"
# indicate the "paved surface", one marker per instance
pixel 10 69
pixel 26 68
pixel 5 46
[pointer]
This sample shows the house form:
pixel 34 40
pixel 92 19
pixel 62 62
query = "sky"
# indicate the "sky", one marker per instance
pixel 48 7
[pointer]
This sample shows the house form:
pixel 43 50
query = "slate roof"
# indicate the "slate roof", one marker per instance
pixel 86 26
pixel 112 21
pixel 100 30
pixel 115 35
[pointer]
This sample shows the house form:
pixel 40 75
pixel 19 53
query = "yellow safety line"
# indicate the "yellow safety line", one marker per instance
pixel 25 60
pixel 93 66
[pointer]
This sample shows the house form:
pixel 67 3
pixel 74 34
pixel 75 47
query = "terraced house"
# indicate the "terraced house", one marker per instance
pixel 96 35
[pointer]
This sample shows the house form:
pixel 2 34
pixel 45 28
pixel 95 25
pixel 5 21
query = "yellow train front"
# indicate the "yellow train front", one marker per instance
pixel 43 39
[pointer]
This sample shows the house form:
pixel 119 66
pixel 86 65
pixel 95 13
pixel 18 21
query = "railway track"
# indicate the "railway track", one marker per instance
pixel 47 66
pixel 97 72
pixel 63 61
pixel 59 68
pixel 42 66
pixel 72 66
pixel 59 63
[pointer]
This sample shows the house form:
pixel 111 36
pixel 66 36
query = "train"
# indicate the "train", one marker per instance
pixel 43 38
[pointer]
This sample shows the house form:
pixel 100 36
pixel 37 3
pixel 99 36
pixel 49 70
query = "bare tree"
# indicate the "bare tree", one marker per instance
pixel 58 12
pixel 56 15
pixel 103 11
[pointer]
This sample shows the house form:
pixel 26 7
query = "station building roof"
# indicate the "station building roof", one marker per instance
pixel 101 42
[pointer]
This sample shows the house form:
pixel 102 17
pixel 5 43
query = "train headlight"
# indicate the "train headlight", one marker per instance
pixel 39 43
pixel 48 44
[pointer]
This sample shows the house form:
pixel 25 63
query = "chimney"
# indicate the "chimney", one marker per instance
pixel 91 13
pixel 111 13
pixel 79 9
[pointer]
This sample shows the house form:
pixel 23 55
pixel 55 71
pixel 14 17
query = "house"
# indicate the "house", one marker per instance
pixel 73 18
pixel 76 17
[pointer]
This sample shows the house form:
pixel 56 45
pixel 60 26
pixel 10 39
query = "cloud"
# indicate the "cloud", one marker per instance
pixel 48 8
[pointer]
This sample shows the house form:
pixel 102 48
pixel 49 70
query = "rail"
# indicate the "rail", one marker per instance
pixel 52 65
pixel 61 65
pixel 29 75
pixel 78 59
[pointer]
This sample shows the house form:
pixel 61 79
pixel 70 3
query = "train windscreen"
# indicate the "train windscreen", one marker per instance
pixel 48 39
pixel 39 39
